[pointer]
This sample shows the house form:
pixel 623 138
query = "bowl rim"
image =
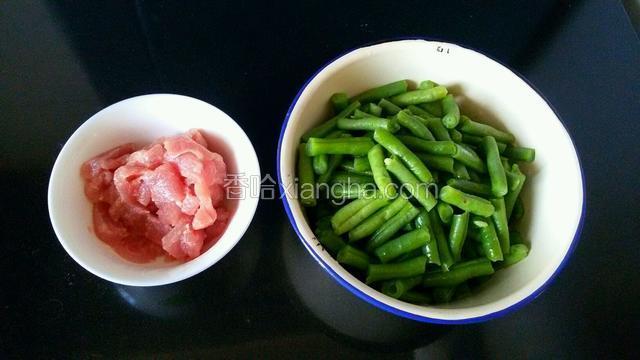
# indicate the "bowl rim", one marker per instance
pixel 386 307
pixel 160 280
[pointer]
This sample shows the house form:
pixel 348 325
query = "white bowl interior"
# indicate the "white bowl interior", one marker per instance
pixel 491 93
pixel 141 120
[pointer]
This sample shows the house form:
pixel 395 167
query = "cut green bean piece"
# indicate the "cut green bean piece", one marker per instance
pixel 389 107
pixel 469 158
pixel 438 162
pixel 306 181
pixel 471 187
pixel 430 250
pixel 445 211
pixel 515 180
pixel 334 162
pixel 329 125
pixel 518 211
pixel 443 294
pixel 423 114
pixel 432 147
pixel 416 297
pixel 353 257
pixel 409 268
pixel 446 259
pixel 495 169
pixel 350 168
pixel 434 108
pixel 501 225
pixel 361 163
pixel 349 210
pixel 384 91
pixel 321 162
pixel 359 114
pixel 471 203
pixel 380 174
pixel 477 141
pixel 414 124
pixel 327 237
pixel 458 234
pixel 437 129
pixel 420 191
pixel 356 146
pixel 340 101
pixel 458 274
pixel 517 254
pixel 397 148
pixel 369 123
pixel 455 135
pixel 460 171
pixel 471 127
pixel 516 153
pixel 427 84
pixel 402 245
pixel 373 109
pixel 361 215
pixel 392 226
pixel 396 288
pixel 377 220
pixel 488 238
pixel 420 96
pixel 451 112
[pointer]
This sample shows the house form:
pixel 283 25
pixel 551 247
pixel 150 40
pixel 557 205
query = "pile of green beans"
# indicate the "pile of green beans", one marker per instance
pixel 411 195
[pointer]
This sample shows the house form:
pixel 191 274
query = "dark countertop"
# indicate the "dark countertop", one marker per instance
pixel 62 61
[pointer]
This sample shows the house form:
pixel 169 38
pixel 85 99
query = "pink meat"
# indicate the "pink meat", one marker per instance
pixel 165 197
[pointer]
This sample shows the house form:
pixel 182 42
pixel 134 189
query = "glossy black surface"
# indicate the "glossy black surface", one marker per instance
pixel 62 61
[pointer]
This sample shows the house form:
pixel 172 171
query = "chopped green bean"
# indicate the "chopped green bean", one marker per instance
pixel 488 238
pixel 321 162
pixel 518 211
pixel 373 109
pixel 368 123
pixel 392 226
pixel 458 234
pixel 460 171
pixel 430 250
pixel 434 108
pixel 515 180
pixel 431 147
pixel 389 107
pixel 455 135
pixel 494 167
pixel 340 101
pixel 445 211
pixel 446 259
pixel 458 274
pixel 349 210
pixel 347 179
pixel 306 182
pixel 396 288
pixel 377 220
pixel 380 174
pixel 516 153
pixel 477 141
pixel 420 191
pixel 419 96
pixel 471 127
pixel 451 112
pixel 471 203
pixel 471 187
pixel 351 256
pixel 402 245
pixel 396 147
pixel 356 146
pixel 517 254
pixel 384 91
pixel 438 162
pixel 501 225
pixel 326 236
pixel 361 215
pixel 469 158
pixel 353 191
pixel 361 163
pixel 414 124
pixel 427 84
pixel 412 267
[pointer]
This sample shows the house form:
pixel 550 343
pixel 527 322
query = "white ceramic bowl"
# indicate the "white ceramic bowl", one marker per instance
pixel 141 120
pixel 491 93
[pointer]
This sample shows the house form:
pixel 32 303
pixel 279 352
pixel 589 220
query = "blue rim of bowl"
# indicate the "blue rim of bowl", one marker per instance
pixel 347 285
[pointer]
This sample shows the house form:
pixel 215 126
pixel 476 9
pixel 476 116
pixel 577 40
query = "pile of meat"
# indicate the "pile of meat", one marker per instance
pixel 167 197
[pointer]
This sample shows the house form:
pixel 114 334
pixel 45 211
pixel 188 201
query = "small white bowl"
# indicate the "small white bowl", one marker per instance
pixel 492 93
pixel 141 120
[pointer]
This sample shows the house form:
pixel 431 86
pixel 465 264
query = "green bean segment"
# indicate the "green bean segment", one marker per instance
pixel 451 112
pixel 328 126
pixel 357 146
pixel 414 124
pixel 377 220
pixel 412 267
pixel 351 256
pixel 471 203
pixel 420 191
pixel 420 96
pixel 384 91
pixel 401 245
pixel 397 148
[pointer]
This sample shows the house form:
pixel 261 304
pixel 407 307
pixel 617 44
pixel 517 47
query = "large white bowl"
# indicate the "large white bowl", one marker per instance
pixel 492 93
pixel 141 120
